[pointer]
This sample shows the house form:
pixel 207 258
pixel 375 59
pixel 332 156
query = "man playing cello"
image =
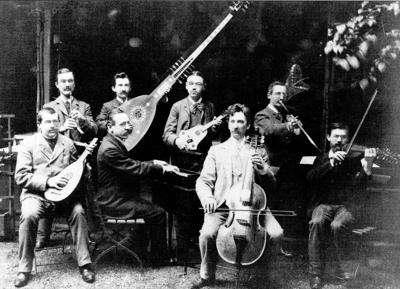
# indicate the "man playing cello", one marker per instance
pixel 221 171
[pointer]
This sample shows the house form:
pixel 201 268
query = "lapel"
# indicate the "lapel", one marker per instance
pixel 226 154
pixel 276 115
pixel 61 106
pixel 58 149
pixel 75 104
pixel 186 108
pixel 115 142
pixel 43 146
pixel 46 150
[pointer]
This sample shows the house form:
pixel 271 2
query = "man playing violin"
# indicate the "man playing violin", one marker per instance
pixel 334 179
pixel 41 158
pixel 223 168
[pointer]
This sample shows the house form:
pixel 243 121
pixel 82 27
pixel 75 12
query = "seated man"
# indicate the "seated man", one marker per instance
pixel 334 180
pixel 40 158
pixel 220 173
pixel 118 182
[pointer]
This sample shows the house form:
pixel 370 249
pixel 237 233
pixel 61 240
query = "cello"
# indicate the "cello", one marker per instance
pixel 242 239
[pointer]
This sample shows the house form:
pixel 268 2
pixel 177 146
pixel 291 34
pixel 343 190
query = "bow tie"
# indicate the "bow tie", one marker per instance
pixel 197 107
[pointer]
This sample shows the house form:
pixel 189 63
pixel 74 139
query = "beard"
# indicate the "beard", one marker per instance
pixel 338 147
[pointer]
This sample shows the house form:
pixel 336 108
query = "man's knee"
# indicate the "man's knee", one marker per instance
pixel 319 215
pixel 276 233
pixel 30 209
pixel 78 210
pixel 208 233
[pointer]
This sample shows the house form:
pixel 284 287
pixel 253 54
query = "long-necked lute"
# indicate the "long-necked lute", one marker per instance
pixel 142 109
pixel 73 173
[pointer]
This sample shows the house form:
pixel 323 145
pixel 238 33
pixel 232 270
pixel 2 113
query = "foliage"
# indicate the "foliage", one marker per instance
pixel 349 43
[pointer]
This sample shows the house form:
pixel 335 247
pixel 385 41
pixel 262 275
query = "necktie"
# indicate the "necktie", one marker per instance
pixel 237 164
pixel 68 106
pixel 197 107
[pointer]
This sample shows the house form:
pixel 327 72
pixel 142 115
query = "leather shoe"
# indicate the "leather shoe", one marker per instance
pixel 344 276
pixel 315 282
pixel 40 244
pixel 87 274
pixel 203 283
pixel 22 279
pixel 285 253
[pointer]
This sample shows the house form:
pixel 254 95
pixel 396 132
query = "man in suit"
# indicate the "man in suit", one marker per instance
pixel 76 120
pixel 189 112
pixel 281 135
pixel 334 178
pixel 40 159
pixel 121 87
pixel 279 131
pixel 185 114
pixel 118 182
pixel 223 168
pixel 76 123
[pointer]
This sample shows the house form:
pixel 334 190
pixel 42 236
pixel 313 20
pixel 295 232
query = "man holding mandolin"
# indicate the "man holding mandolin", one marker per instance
pixel 225 168
pixel 41 158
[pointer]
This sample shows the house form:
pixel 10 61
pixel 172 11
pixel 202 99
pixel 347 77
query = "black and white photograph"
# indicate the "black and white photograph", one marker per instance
pixel 169 144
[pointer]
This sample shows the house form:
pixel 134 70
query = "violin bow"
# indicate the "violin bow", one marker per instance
pixel 301 128
pixel 361 122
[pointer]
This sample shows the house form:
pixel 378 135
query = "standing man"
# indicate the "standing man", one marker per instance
pixel 40 159
pixel 334 180
pixel 121 87
pixel 185 114
pixel 76 123
pixel 223 168
pixel 279 130
pixel 118 182
pixel 189 112
pixel 281 133
pixel 76 120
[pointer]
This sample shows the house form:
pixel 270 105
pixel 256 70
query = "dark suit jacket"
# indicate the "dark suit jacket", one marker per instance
pixel 118 178
pixel 278 137
pixel 87 125
pixel 107 109
pixel 179 119
pixel 335 185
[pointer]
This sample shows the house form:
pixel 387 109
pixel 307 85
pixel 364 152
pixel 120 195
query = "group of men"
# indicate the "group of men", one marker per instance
pixel 66 124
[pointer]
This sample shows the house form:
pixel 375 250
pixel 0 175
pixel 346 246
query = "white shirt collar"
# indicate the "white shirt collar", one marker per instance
pixel 194 102
pixel 237 144
pixel 120 100
pixel 273 108
pixel 330 154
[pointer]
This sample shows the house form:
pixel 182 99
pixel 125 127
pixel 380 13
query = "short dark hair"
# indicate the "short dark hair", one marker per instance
pixel 48 110
pixel 197 73
pixel 111 120
pixel 271 86
pixel 238 107
pixel 61 71
pixel 120 75
pixel 338 125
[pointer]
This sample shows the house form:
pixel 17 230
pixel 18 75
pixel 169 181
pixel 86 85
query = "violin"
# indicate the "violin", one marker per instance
pixel 242 239
pixel 384 157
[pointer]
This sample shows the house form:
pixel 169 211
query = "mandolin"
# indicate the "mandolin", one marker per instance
pixel 141 110
pixel 196 134
pixel 73 173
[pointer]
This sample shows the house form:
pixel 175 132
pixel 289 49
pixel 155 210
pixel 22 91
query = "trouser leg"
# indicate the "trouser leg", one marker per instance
pixel 79 230
pixel 339 226
pixel 319 233
pixel 44 228
pixel 207 243
pixel 31 209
